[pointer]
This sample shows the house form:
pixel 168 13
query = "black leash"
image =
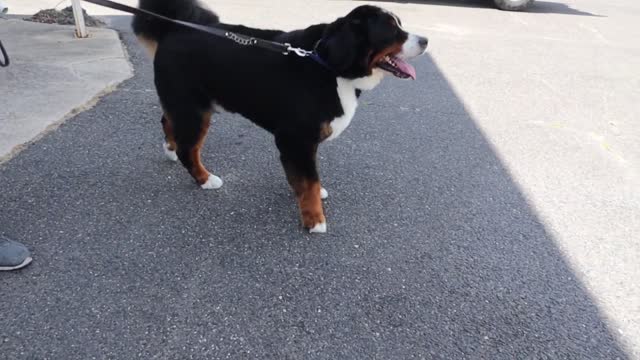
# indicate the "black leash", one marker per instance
pixel 4 63
pixel 283 48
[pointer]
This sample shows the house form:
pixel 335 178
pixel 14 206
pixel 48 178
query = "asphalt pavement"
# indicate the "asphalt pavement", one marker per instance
pixel 435 249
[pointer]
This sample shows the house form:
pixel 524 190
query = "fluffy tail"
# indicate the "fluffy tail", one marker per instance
pixel 151 30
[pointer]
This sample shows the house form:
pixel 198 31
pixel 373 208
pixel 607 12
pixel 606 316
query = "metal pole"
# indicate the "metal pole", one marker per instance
pixel 81 29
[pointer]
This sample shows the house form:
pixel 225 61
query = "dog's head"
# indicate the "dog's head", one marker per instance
pixel 370 38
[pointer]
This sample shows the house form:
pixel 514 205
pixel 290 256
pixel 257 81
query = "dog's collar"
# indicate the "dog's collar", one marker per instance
pixel 317 58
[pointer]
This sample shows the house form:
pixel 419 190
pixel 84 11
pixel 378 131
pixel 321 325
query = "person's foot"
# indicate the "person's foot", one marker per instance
pixel 13 255
pixel 3 8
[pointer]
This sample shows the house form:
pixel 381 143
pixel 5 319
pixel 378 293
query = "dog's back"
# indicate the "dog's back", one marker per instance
pixel 151 30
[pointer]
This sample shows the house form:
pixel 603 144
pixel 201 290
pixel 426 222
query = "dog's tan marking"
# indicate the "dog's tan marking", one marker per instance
pixel 198 171
pixel 149 44
pixel 167 126
pixel 325 131
pixel 308 195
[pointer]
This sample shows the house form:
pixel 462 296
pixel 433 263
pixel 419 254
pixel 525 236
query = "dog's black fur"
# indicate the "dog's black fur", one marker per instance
pixel 292 97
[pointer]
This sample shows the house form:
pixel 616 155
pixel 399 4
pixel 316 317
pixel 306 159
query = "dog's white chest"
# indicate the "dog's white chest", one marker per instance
pixel 349 101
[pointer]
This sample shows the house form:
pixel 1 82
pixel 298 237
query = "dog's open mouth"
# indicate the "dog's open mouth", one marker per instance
pixel 397 67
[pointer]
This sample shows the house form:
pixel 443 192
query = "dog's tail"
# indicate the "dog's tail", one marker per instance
pixel 151 30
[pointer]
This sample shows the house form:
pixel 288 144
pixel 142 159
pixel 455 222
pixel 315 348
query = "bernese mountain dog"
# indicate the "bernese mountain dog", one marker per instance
pixel 301 101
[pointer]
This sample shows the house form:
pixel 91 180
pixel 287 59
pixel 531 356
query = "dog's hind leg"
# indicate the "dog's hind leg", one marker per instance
pixel 170 141
pixel 299 162
pixel 190 132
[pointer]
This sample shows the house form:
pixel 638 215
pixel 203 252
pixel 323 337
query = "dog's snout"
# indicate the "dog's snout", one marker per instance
pixel 423 41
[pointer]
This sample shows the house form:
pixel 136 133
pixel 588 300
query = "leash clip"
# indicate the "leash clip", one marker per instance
pixel 297 51
pixel 313 55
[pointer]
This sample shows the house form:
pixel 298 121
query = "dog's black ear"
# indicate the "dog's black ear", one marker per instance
pixel 338 46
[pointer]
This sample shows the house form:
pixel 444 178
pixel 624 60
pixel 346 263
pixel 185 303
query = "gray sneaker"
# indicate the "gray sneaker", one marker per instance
pixel 13 255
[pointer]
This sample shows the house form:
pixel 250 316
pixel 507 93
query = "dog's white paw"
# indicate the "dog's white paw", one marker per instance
pixel 323 193
pixel 213 182
pixel 171 154
pixel 320 228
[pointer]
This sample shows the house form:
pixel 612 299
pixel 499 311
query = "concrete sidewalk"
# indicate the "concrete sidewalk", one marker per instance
pixel 52 75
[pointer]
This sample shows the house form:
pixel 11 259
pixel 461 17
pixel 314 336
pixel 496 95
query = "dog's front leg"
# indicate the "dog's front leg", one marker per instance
pixel 299 161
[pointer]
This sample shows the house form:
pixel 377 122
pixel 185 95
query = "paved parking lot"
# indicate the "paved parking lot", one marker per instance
pixel 487 210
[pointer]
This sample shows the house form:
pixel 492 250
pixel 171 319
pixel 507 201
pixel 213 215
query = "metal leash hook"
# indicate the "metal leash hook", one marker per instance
pixel 297 51
pixel 5 62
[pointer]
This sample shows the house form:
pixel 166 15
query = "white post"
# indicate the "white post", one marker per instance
pixel 81 29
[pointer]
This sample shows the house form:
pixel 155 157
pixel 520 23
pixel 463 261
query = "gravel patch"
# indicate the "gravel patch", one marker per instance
pixel 63 17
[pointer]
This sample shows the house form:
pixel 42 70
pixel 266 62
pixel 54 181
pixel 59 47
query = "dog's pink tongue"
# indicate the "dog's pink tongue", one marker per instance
pixel 405 67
